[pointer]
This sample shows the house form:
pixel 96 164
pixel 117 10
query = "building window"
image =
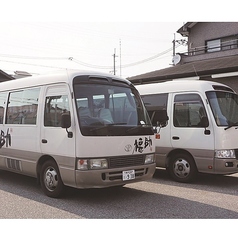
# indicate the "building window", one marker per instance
pixel 229 43
pixel 214 45
pixel 225 43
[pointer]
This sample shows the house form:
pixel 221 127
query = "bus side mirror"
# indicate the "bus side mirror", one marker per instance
pixel 66 123
pixel 161 117
pixel 204 122
pixel 65 120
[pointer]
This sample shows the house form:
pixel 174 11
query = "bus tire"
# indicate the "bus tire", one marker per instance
pixel 50 179
pixel 182 168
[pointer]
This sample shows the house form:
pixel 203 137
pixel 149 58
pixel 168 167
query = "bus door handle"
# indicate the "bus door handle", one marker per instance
pixel 175 138
pixel 44 141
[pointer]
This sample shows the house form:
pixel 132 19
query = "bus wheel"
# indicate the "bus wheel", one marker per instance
pixel 182 168
pixel 50 180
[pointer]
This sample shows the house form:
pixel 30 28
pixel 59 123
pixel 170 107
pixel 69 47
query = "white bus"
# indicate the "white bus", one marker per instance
pixel 75 128
pixel 201 133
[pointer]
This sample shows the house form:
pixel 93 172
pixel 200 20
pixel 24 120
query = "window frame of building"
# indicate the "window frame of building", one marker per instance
pixel 221 44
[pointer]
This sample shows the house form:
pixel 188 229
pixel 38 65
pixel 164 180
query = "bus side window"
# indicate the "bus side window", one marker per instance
pixel 188 110
pixel 2 105
pixel 22 107
pixel 156 104
pixel 55 106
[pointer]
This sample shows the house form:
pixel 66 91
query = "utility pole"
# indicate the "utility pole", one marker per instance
pixel 174 45
pixel 120 57
pixel 181 42
pixel 114 62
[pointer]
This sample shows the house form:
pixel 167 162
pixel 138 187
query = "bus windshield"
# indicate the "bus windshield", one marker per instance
pixel 111 109
pixel 224 106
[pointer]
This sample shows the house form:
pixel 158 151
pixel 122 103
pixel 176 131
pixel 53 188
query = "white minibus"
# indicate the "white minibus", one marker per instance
pixel 75 128
pixel 202 128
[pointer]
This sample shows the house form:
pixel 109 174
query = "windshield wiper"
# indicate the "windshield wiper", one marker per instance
pixel 107 125
pixel 233 124
pixel 134 128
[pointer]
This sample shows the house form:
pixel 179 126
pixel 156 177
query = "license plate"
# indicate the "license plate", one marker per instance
pixel 128 175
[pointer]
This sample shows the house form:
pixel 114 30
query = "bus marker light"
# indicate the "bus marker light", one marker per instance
pixel 157 136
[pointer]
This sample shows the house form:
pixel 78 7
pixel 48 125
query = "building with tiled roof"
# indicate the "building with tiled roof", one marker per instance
pixel 212 55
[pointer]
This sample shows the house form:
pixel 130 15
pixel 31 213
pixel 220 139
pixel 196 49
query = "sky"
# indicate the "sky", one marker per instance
pixel 139 47
pixel 42 36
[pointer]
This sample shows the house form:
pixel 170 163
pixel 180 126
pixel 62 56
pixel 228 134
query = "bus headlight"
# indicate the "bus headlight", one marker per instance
pixel 149 159
pixel 85 164
pixel 225 154
pixel 98 164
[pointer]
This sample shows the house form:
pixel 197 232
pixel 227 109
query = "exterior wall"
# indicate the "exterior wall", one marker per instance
pixel 203 31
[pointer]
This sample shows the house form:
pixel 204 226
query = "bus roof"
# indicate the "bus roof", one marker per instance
pixel 181 86
pixel 60 76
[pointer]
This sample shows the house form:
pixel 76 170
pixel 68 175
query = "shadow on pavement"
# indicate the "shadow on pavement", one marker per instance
pixel 116 203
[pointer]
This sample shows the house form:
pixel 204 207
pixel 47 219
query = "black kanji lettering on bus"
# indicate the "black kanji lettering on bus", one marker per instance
pixel 5 139
pixel 140 145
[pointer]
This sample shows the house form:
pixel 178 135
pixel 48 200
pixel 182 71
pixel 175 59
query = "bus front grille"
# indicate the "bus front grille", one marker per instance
pixel 119 162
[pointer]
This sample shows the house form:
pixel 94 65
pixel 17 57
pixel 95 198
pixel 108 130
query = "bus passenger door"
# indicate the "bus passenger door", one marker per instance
pixel 55 141
pixel 188 131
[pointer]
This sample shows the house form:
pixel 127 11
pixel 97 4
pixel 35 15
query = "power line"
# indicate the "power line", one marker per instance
pixel 148 59
pixel 38 65
pixel 32 57
pixel 80 62
pixel 88 65
pixel 126 65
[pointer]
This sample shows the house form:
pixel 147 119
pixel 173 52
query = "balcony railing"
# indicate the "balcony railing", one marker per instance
pixel 225 45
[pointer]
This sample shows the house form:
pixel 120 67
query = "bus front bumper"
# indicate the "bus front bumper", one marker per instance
pixel 112 177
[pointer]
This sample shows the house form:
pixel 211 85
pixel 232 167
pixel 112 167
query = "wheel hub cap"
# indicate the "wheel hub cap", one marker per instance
pixel 51 180
pixel 181 168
